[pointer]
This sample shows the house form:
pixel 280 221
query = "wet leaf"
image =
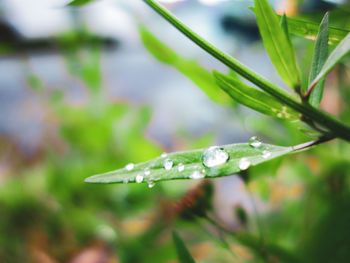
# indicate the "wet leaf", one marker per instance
pixel 192 165
pixel 277 44
pixel 320 57
pixel 254 98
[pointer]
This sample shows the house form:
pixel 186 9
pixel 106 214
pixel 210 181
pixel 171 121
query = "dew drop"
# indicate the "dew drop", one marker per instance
pixel 244 163
pixel 180 167
pixel 129 166
pixel 125 180
pixel 197 175
pixel 139 178
pixel 255 142
pixel 164 155
pixel 266 154
pixel 214 156
pixel 168 164
pixel 147 171
pixel 151 184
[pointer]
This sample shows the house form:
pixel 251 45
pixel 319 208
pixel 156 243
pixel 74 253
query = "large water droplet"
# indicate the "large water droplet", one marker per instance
pixel 197 175
pixel 129 166
pixel 266 154
pixel 168 164
pixel 255 142
pixel 214 156
pixel 244 163
pixel 139 178
pixel 151 184
pixel 147 171
pixel 180 167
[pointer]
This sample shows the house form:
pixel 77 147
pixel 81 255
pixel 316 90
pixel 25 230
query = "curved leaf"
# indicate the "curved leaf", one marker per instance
pixel 192 162
pixel 277 44
pixel 319 58
pixel 254 98
pixel 181 250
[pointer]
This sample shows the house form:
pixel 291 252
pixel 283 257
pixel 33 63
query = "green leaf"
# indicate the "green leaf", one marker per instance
pixel 277 44
pixel 309 30
pixel 79 2
pixel 253 98
pixel 341 50
pixel 320 57
pixel 191 69
pixel 192 161
pixel 182 252
pixel 284 25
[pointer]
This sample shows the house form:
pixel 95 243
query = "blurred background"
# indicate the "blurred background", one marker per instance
pixel 84 91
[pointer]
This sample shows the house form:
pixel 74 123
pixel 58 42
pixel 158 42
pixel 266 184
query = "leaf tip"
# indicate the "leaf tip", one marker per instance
pixel 91 179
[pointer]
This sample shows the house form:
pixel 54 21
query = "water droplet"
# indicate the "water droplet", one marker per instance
pixel 151 184
pixel 214 156
pixel 197 175
pixel 168 164
pixel 244 163
pixel 180 167
pixel 139 178
pixel 125 180
pixel 164 155
pixel 279 115
pixel 266 154
pixel 255 142
pixel 147 171
pixel 129 166
pixel 203 171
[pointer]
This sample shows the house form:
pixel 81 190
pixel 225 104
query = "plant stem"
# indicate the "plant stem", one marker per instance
pixel 322 118
pixel 306 145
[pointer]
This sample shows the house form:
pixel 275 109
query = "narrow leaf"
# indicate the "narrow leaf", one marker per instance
pixel 320 57
pixel 253 98
pixel 79 2
pixel 277 44
pixel 341 50
pixel 284 25
pixel 309 30
pixel 191 69
pixel 181 250
pixel 192 164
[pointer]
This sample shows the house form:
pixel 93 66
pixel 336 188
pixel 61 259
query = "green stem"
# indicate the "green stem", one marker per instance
pixel 322 118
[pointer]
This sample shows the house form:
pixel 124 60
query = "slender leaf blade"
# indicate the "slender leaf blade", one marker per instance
pixel 319 58
pixel 277 44
pixel 79 2
pixel 310 29
pixel 181 249
pixel 189 68
pixel 253 98
pixel 192 161
pixel 341 50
